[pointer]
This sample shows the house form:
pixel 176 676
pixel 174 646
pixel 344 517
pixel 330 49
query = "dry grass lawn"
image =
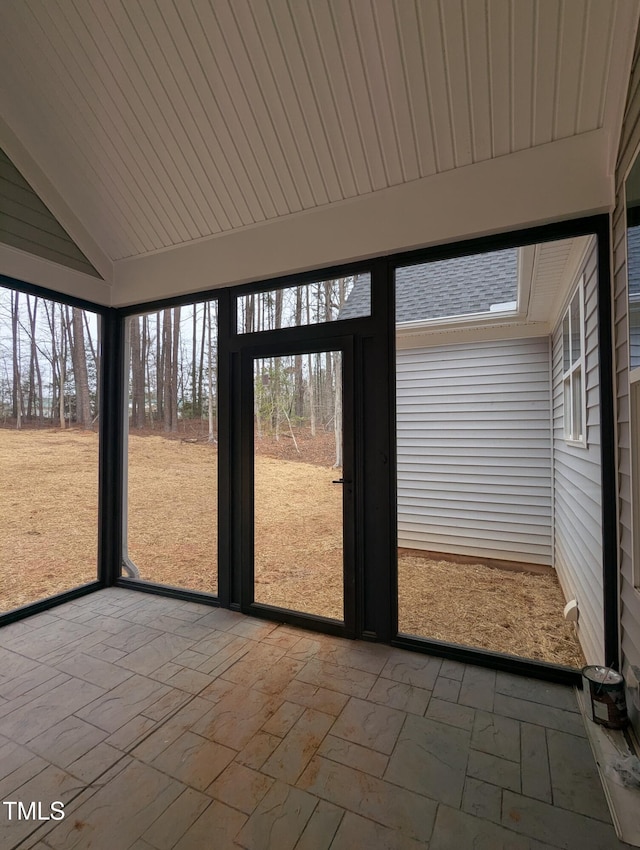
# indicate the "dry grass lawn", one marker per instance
pixel 48 513
pixel 48 540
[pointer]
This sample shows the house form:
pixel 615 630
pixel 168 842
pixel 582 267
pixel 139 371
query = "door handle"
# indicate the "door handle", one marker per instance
pixel 341 481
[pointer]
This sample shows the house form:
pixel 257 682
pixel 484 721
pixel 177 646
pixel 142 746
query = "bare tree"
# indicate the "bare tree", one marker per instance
pixel 160 365
pixel 17 385
pixel 298 381
pixel 80 374
pixel 137 374
pixel 212 436
pixel 34 397
pixel 201 365
pixel 96 361
pixel 174 368
pixel 312 393
pixel 337 414
pixel 166 356
pixel 62 363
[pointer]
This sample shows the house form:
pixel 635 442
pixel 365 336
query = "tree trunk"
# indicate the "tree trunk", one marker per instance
pixel 54 357
pixel 160 349
pixel 146 366
pixel 312 391
pixel 298 378
pixel 174 368
pixel 17 387
pixel 201 364
pixel 249 313
pixel 166 355
pixel 194 353
pixel 39 404
pixel 95 355
pixel 81 376
pixel 62 365
pixel 137 374
pixel 31 393
pixel 337 415
pixel 212 436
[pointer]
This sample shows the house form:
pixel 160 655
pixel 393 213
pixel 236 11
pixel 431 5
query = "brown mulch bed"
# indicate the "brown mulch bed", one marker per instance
pixel 515 612
pixel 48 538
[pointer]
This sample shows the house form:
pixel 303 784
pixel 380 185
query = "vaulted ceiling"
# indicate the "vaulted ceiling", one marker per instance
pixel 150 125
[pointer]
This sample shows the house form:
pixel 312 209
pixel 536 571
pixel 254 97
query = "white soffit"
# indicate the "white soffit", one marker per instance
pixel 163 123
pixel 555 269
pixel 549 269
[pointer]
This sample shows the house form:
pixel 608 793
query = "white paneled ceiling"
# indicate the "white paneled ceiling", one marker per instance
pixel 163 121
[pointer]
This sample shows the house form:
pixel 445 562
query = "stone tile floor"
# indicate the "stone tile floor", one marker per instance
pixel 165 724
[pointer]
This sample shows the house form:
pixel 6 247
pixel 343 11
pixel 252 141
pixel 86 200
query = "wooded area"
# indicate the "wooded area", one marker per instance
pixel 50 376
pixel 173 365
pixel 49 362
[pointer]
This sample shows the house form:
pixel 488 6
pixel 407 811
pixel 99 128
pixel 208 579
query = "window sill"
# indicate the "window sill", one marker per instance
pixel 576 444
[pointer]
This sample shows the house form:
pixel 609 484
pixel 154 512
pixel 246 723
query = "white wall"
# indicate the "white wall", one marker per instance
pixel 629 595
pixel 577 483
pixel 474 449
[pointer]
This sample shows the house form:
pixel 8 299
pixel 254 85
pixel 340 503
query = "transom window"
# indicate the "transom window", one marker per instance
pixel 573 369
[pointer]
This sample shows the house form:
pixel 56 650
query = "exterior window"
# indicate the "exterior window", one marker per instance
pixel 573 369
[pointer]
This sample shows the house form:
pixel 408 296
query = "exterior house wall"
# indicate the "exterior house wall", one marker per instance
pixel 474 449
pixel 629 595
pixel 27 224
pixel 577 480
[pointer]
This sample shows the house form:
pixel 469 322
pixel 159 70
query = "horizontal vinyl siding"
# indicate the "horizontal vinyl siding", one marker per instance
pixel 474 449
pixel 27 224
pixel 577 484
pixel 629 596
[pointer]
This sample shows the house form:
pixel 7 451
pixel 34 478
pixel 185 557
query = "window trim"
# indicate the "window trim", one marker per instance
pixel 576 367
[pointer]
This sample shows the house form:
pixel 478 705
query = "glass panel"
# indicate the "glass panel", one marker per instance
pixel 481 283
pixel 632 201
pixel 298 546
pixel 49 414
pixel 171 531
pixel 632 197
pixel 566 344
pixel 307 304
pixel 576 407
pixel 474 438
pixel 566 408
pixel 576 324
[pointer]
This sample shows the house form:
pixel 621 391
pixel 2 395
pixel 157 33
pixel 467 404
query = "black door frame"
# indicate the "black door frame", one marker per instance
pixel 248 355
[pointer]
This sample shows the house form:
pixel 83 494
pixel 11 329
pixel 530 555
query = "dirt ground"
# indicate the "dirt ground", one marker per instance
pixel 48 539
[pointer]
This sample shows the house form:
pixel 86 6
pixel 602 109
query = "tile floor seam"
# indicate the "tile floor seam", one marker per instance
pixel 50 825
pixel 152 731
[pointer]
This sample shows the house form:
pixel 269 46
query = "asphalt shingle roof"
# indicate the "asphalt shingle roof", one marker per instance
pixel 445 288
